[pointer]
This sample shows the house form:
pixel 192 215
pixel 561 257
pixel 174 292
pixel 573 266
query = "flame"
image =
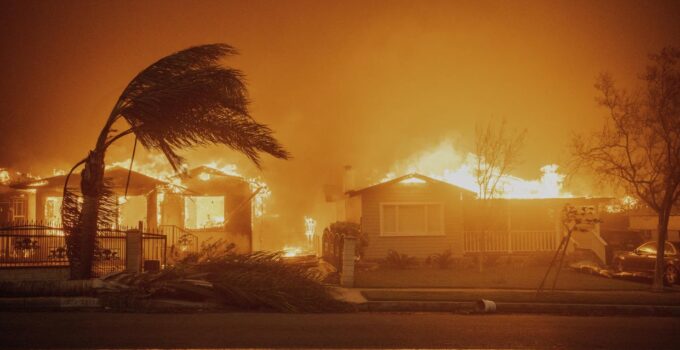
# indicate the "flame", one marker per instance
pixel 256 183
pixel 445 163
pixel 156 166
pixel 291 251
pixel 4 176
pixel 310 228
pixel 623 204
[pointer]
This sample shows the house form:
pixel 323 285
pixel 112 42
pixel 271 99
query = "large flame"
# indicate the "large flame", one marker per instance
pixel 4 176
pixel 156 166
pixel 445 163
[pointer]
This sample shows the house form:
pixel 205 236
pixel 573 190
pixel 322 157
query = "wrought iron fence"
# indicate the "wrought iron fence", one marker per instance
pixel 154 247
pixel 31 245
pixel 37 245
pixel 180 239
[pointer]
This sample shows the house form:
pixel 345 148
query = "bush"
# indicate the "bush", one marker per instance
pixel 399 261
pixel 340 229
pixel 442 260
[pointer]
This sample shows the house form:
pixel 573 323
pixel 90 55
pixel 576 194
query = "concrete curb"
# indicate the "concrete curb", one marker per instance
pixel 514 308
pixel 50 303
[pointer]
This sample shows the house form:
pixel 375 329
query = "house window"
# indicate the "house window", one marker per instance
pixel 18 207
pixel 203 212
pixel 411 219
pixel 53 211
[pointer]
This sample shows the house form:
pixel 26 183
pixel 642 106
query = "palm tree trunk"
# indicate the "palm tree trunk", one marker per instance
pixel 91 184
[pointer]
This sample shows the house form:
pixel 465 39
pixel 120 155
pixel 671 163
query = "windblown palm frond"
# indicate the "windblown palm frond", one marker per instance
pixel 187 99
pixel 255 281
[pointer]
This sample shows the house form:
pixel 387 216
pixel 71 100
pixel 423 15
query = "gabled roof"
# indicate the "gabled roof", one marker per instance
pixel 139 183
pixel 203 169
pixel 204 180
pixel 415 177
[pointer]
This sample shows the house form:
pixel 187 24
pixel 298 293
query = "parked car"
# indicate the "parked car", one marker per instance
pixel 643 259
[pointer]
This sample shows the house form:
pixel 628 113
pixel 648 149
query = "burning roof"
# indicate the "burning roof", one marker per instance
pixel 205 180
pixel 413 178
pixel 139 183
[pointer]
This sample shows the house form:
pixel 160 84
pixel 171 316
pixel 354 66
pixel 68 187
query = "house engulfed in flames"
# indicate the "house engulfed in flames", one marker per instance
pixel 208 205
pixel 421 216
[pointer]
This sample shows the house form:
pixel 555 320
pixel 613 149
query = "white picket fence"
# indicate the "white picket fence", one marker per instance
pixel 510 241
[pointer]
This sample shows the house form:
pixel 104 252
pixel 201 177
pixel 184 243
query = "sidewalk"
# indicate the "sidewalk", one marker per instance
pixel 464 300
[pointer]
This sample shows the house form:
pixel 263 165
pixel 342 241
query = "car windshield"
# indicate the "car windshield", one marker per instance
pixel 647 248
pixel 650 248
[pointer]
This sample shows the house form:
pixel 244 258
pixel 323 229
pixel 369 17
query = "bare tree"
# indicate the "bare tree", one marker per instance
pixel 497 153
pixel 638 148
pixel 184 100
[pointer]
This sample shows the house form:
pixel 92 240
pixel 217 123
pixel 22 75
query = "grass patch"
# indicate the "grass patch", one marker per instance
pixel 503 277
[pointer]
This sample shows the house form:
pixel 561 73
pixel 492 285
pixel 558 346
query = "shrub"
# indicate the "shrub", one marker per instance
pixel 399 261
pixel 340 229
pixel 442 260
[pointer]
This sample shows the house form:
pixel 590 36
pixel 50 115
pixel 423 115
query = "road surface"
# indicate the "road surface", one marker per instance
pixel 385 330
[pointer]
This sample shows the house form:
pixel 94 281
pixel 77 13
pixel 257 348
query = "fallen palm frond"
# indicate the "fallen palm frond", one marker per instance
pixel 255 281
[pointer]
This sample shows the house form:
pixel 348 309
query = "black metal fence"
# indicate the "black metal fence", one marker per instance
pixel 36 245
pixel 32 245
pixel 154 248
pixel 181 240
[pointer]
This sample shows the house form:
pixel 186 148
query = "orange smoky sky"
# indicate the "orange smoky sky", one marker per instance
pixel 365 83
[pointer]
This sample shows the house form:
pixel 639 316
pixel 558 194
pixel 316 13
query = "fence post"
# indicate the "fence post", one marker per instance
pixel 133 251
pixel 347 261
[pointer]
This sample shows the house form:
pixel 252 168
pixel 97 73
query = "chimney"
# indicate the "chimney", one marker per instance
pixel 348 179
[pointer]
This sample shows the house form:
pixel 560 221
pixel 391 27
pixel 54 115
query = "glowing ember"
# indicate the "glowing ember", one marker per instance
pixel 290 252
pixel 445 163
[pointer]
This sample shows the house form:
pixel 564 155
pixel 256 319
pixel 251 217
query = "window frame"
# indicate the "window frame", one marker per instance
pixel 383 233
pixel 21 204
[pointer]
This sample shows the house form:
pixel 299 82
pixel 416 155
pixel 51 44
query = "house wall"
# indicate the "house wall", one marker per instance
pixel 418 246
pixel 353 209
pixel 649 223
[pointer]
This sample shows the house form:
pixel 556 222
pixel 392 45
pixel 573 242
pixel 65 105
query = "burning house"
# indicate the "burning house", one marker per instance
pixel 213 205
pixel 420 216
pixel 43 197
pixel 208 205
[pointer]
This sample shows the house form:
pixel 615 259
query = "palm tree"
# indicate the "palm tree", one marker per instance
pixel 184 100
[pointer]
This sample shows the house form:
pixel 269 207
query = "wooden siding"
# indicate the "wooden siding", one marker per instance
pixel 418 246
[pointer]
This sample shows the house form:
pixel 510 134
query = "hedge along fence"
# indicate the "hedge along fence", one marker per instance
pixel 333 239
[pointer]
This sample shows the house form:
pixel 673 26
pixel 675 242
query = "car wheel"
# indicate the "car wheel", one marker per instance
pixel 670 277
pixel 618 265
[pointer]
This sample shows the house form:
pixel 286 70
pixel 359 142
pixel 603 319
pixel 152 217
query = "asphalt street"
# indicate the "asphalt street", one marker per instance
pixel 372 330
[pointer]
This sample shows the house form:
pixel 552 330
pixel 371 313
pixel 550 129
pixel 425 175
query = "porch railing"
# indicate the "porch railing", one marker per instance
pixel 509 241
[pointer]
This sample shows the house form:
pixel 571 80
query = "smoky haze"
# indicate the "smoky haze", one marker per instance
pixel 366 83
